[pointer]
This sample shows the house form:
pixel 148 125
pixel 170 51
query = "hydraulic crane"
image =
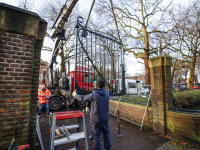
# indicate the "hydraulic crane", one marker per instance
pixel 110 59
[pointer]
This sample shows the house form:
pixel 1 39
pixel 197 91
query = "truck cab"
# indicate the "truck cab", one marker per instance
pixel 84 78
pixel 64 86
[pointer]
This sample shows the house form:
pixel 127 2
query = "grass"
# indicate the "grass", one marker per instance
pixel 186 99
pixel 138 100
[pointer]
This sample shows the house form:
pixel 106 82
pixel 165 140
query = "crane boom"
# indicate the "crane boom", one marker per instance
pixel 58 32
pixel 63 16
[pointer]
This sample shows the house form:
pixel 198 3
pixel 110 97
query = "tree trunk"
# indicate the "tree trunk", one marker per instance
pixel 186 72
pixel 68 66
pixel 147 70
pixel 172 75
pixel 191 79
pixel 146 57
pixel 173 70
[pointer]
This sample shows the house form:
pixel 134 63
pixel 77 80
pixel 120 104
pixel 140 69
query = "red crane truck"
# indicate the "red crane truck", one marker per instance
pixel 64 86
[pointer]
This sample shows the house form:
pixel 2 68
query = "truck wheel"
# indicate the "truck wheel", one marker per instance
pixel 55 103
pixel 80 104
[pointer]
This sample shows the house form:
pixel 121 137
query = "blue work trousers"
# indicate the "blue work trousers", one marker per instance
pixel 46 106
pixel 91 131
pixel 97 129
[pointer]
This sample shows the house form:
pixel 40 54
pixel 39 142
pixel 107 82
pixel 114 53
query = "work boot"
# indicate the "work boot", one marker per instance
pixel 39 115
pixel 91 137
pixel 47 115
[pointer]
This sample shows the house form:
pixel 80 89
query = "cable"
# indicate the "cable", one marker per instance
pixel 89 14
pixel 115 20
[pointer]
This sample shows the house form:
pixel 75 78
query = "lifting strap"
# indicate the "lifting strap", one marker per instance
pixel 115 20
pixel 113 16
pixel 89 14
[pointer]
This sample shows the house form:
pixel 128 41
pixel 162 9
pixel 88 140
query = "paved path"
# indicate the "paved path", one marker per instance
pixel 132 137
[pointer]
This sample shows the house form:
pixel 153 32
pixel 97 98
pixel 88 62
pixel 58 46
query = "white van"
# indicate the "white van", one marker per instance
pixel 134 87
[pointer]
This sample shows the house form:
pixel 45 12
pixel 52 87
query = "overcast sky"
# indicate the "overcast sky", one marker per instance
pixel 133 67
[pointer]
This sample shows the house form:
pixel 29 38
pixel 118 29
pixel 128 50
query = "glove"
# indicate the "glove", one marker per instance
pixel 74 94
pixel 87 109
pixel 46 97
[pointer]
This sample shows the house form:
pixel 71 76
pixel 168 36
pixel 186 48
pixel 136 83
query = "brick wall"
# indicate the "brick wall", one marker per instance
pixel 16 57
pixel 34 92
pixel 159 117
pixel 178 125
pixel 132 112
pixel 183 126
pixel 21 38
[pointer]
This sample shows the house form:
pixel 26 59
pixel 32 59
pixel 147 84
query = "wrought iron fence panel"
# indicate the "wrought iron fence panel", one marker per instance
pixel 101 57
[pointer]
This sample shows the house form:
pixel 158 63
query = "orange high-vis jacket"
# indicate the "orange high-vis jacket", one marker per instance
pixel 41 95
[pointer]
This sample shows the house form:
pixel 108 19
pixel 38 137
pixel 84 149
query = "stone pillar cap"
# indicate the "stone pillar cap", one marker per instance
pixel 21 21
pixel 160 61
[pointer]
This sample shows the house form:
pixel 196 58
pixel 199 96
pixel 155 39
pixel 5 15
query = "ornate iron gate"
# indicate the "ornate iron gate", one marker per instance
pixel 101 57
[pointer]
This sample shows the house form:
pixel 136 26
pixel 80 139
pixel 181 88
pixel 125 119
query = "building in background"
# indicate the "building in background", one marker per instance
pixel 43 74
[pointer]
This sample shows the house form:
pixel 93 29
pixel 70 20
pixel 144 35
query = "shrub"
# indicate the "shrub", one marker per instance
pixel 181 99
pixel 186 98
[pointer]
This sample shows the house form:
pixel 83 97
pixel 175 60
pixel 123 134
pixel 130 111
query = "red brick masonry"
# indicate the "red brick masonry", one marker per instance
pixel 179 125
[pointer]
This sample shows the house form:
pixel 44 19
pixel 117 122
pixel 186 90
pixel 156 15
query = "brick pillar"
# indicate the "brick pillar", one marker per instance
pixel 161 91
pixel 21 38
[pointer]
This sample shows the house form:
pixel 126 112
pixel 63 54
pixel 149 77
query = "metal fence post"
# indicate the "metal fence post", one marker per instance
pixel 118 121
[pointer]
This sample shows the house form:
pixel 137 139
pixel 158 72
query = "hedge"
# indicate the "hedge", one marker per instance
pixel 181 99
pixel 186 98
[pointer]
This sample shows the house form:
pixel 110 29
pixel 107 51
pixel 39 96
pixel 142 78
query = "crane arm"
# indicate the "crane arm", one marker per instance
pixel 58 32
pixel 62 17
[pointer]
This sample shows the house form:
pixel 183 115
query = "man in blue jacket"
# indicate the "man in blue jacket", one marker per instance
pixel 99 114
pixel 91 136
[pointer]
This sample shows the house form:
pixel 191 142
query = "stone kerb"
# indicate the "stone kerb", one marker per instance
pixel 21 38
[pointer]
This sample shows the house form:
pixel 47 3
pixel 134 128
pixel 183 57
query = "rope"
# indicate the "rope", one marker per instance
pixel 89 14
pixel 115 20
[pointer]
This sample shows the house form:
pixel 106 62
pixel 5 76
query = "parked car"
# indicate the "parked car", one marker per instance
pixel 195 87
pixel 185 87
pixel 180 88
pixel 173 88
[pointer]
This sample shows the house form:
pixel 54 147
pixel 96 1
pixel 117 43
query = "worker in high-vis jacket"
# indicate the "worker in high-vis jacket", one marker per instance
pixel 43 95
pixel 99 114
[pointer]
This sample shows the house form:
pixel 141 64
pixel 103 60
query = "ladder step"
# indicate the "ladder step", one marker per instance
pixel 68 115
pixel 73 138
pixel 70 127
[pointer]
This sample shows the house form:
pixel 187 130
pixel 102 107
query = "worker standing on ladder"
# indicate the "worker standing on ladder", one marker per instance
pixel 99 114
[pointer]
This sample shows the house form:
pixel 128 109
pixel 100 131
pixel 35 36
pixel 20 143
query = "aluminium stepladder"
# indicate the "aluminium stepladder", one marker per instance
pixel 71 137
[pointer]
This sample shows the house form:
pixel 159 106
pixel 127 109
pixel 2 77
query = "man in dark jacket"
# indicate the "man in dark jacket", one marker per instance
pixel 99 114
pixel 91 136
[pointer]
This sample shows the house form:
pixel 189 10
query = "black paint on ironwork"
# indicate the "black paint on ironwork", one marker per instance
pixel 109 59
pixel 118 123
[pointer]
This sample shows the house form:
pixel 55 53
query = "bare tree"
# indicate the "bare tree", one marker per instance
pixel 187 33
pixel 136 21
